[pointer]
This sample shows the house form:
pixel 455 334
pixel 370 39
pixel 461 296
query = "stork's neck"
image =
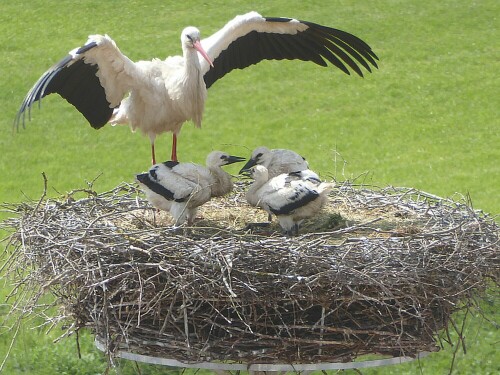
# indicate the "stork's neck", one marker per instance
pixel 222 183
pixel 253 196
pixel 194 90
pixel 192 62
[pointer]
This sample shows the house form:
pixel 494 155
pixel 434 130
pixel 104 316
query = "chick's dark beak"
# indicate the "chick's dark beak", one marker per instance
pixel 250 163
pixel 234 159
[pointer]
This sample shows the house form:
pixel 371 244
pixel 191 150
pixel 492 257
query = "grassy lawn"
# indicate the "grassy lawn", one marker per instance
pixel 428 118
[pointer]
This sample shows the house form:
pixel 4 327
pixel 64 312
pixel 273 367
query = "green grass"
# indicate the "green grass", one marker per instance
pixel 428 118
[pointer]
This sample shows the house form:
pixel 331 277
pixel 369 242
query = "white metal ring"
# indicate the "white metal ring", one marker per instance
pixel 260 366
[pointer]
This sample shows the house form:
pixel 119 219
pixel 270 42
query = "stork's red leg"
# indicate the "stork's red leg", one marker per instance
pixel 174 147
pixel 153 158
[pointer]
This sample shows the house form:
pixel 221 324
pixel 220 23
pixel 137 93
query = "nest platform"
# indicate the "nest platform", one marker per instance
pixel 379 271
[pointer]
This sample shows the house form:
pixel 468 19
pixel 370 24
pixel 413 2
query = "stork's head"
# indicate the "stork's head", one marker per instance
pixel 260 156
pixel 190 38
pixel 259 173
pixel 219 158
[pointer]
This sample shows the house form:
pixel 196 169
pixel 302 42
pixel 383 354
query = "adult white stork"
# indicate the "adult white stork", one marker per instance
pixel 292 197
pixel 160 95
pixel 277 161
pixel 181 188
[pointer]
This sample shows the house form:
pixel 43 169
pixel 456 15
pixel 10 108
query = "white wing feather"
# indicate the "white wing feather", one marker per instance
pixel 239 26
pixel 117 73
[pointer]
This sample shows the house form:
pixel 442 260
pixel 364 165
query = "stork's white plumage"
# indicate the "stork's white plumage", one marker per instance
pixel 292 197
pixel 276 161
pixel 160 95
pixel 181 188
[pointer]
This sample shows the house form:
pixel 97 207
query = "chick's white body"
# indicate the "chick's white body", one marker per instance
pixel 291 197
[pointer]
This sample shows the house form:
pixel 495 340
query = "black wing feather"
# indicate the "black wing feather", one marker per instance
pixel 362 55
pixel 148 180
pixel 343 38
pixel 288 48
pixel 301 197
pixel 77 82
pixel 170 163
pixel 317 43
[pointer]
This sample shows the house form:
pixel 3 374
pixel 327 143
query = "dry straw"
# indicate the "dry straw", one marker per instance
pixel 379 271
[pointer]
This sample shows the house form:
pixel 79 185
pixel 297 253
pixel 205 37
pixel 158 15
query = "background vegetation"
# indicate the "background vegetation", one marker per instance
pixel 428 118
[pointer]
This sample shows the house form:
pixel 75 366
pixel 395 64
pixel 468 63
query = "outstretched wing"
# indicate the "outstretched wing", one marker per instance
pixel 250 38
pixel 94 78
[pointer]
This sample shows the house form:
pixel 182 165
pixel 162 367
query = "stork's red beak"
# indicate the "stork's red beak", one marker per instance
pixel 197 46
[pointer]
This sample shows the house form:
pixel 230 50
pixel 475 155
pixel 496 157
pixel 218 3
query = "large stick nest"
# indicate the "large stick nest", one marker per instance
pixel 378 271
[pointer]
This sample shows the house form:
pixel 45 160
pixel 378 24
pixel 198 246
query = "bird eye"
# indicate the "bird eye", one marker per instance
pixel 189 37
pixel 259 155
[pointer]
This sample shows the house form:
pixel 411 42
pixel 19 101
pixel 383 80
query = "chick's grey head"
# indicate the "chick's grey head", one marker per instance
pixel 220 158
pixel 258 172
pixel 262 155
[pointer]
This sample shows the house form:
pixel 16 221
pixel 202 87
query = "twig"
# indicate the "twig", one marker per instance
pixel 44 194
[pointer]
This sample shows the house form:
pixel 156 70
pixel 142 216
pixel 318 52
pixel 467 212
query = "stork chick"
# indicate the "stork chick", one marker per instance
pixel 276 161
pixel 292 197
pixel 181 188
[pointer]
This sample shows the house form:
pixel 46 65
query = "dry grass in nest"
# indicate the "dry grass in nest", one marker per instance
pixel 378 271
